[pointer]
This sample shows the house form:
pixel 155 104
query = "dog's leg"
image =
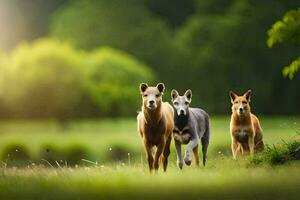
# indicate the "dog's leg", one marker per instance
pixel 251 145
pixel 191 146
pixel 148 148
pixel 204 149
pixel 179 154
pixel 234 148
pixel 166 153
pixel 241 148
pixel 196 156
pixel 159 150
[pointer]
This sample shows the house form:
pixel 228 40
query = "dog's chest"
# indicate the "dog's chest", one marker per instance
pixel 242 134
pixel 183 136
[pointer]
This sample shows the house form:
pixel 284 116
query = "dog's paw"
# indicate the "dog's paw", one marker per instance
pixel 187 161
pixel 180 164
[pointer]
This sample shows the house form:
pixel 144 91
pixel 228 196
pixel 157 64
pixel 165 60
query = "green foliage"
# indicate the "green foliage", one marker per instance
pixel 15 154
pixel 50 153
pixel 287 30
pixel 208 46
pixel 49 78
pixel 74 154
pixel 175 12
pixel 212 6
pixel 289 71
pixel 121 24
pixel 228 45
pixel 278 154
pixel 113 79
pixel 42 79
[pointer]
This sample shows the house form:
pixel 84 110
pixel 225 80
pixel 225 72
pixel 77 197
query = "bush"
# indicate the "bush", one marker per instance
pixel 50 154
pixel 15 154
pixel 118 153
pixel 113 79
pixel 49 78
pixel 278 154
pixel 75 153
pixel 42 79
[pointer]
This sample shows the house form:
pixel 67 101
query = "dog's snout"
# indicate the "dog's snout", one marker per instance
pixel 151 102
pixel 241 109
pixel 181 112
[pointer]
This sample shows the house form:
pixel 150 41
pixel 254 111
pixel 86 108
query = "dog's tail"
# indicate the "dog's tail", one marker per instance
pixel 205 139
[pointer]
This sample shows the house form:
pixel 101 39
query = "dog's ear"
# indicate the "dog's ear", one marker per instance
pixel 248 95
pixel 174 94
pixel 143 87
pixel 160 87
pixel 232 96
pixel 188 94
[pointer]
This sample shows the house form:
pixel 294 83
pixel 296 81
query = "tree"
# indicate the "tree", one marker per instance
pixel 121 24
pixel 287 30
pixel 227 51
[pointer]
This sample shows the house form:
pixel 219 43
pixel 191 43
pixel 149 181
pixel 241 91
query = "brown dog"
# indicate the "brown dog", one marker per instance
pixel 246 132
pixel 155 124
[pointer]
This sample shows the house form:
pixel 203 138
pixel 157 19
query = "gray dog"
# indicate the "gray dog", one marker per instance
pixel 191 126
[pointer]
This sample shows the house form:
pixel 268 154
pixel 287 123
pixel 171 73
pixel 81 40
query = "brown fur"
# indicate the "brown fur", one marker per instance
pixel 247 124
pixel 156 126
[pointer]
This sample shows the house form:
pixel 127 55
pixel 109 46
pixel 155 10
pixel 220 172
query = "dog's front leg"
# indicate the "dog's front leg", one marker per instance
pixel 193 143
pixel 179 154
pixel 251 145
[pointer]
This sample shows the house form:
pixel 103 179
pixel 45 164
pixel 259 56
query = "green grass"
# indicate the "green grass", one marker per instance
pixel 222 178
pixel 100 137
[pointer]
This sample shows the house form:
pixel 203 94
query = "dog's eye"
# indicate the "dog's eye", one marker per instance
pixel 244 102
pixel 186 103
pixel 235 102
pixel 157 95
pixel 145 95
pixel 176 103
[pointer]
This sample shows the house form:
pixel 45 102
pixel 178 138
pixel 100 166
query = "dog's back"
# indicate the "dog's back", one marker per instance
pixel 201 119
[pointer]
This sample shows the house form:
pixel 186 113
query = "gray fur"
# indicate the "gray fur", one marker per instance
pixel 191 127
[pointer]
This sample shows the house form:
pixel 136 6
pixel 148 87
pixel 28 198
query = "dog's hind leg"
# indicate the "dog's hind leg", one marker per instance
pixel 166 153
pixel 196 156
pixel 204 143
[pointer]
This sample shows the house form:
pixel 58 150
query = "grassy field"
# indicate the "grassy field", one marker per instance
pixel 117 175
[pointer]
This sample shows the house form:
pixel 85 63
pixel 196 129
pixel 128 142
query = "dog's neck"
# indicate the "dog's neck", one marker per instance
pixel 242 119
pixel 181 120
pixel 152 117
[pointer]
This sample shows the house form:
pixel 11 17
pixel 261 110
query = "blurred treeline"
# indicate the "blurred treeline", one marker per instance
pixel 94 53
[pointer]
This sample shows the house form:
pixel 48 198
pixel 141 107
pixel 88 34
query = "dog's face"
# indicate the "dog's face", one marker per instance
pixel 240 104
pixel 181 103
pixel 152 96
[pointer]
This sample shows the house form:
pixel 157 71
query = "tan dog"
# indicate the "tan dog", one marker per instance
pixel 155 124
pixel 246 132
